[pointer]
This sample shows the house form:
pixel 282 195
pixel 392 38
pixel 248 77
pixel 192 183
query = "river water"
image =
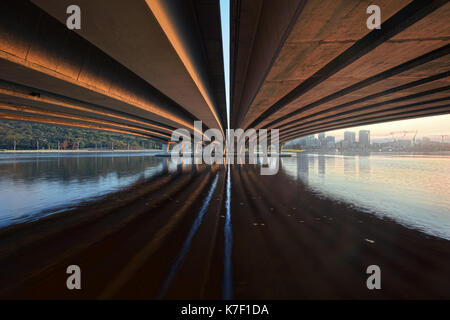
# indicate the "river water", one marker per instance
pixel 411 189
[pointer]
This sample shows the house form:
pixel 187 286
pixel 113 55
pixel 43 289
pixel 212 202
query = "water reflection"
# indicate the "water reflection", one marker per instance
pixel 69 169
pixel 364 167
pixel 349 165
pixel 321 160
pixel 31 183
pixel 410 189
pixel 302 168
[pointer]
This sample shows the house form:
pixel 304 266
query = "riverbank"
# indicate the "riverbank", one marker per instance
pixel 288 243
pixel 78 151
pixel 158 152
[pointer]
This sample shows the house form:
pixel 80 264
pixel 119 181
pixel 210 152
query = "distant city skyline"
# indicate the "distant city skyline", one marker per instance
pixel 426 127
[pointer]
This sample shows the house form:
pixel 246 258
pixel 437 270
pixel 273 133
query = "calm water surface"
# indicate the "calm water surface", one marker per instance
pixel 413 190
pixel 34 185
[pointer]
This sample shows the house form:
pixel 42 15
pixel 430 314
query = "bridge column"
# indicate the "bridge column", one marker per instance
pixel 166 147
pixel 197 148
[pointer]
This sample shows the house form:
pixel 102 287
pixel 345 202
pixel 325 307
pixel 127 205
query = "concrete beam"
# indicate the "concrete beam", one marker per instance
pixel 38 51
pixel 161 42
pixel 332 70
pixel 38 113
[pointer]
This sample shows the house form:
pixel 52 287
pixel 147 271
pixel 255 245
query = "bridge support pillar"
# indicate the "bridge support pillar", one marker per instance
pixel 166 147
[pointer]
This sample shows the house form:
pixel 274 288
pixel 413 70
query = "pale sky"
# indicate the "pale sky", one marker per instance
pixel 225 24
pixel 431 127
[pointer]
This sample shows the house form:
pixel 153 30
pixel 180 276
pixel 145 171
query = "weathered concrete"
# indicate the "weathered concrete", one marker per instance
pixel 48 115
pixel 149 67
pixel 140 39
pixel 331 70
pixel 54 69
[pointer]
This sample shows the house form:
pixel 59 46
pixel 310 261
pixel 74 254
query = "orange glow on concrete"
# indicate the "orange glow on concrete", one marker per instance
pixel 56 102
pixel 174 38
pixel 128 99
pixel 71 117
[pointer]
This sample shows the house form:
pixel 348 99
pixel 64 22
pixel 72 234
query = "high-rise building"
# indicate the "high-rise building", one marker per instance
pixel 311 141
pixel 321 137
pixel 330 142
pixel 349 137
pixel 349 140
pixel 364 138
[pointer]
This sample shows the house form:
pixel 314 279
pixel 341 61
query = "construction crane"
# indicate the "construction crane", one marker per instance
pixel 404 132
pixel 443 136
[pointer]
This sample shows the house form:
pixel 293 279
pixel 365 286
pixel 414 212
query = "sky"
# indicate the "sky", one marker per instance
pixel 225 23
pixel 432 127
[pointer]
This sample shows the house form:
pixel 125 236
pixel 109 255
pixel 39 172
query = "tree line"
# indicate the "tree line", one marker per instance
pixel 32 136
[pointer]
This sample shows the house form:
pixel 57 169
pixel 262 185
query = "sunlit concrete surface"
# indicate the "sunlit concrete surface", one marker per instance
pixel 121 66
pixel 154 66
pixel 323 69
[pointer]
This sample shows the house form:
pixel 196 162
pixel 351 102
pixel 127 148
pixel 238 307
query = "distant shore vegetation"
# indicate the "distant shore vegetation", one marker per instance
pixel 32 136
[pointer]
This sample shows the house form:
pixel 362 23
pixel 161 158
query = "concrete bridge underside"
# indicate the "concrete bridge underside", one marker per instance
pixel 148 67
pixel 136 67
pixel 311 66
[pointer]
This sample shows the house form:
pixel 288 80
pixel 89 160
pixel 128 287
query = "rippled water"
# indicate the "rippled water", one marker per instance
pixel 33 185
pixel 413 190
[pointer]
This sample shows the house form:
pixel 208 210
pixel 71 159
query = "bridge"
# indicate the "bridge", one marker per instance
pixel 135 67
pixel 309 66
pixel 149 67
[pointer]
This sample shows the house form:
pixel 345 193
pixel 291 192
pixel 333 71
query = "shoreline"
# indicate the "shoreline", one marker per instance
pixel 288 243
pixel 77 151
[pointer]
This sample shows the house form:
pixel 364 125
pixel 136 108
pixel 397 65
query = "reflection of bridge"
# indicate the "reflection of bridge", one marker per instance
pixel 148 67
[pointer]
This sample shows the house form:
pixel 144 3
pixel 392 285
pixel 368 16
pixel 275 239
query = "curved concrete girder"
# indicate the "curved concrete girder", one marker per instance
pixel 136 40
pixel 424 103
pixel 363 104
pixel 389 81
pixel 417 102
pixel 38 51
pixel 18 95
pixel 337 113
pixel 344 118
pixel 28 77
pixel 305 49
pixel 381 120
pixel 348 118
pixel 421 106
pixel 361 59
pixel 33 112
pixel 241 48
pixel 178 27
pixel 258 33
